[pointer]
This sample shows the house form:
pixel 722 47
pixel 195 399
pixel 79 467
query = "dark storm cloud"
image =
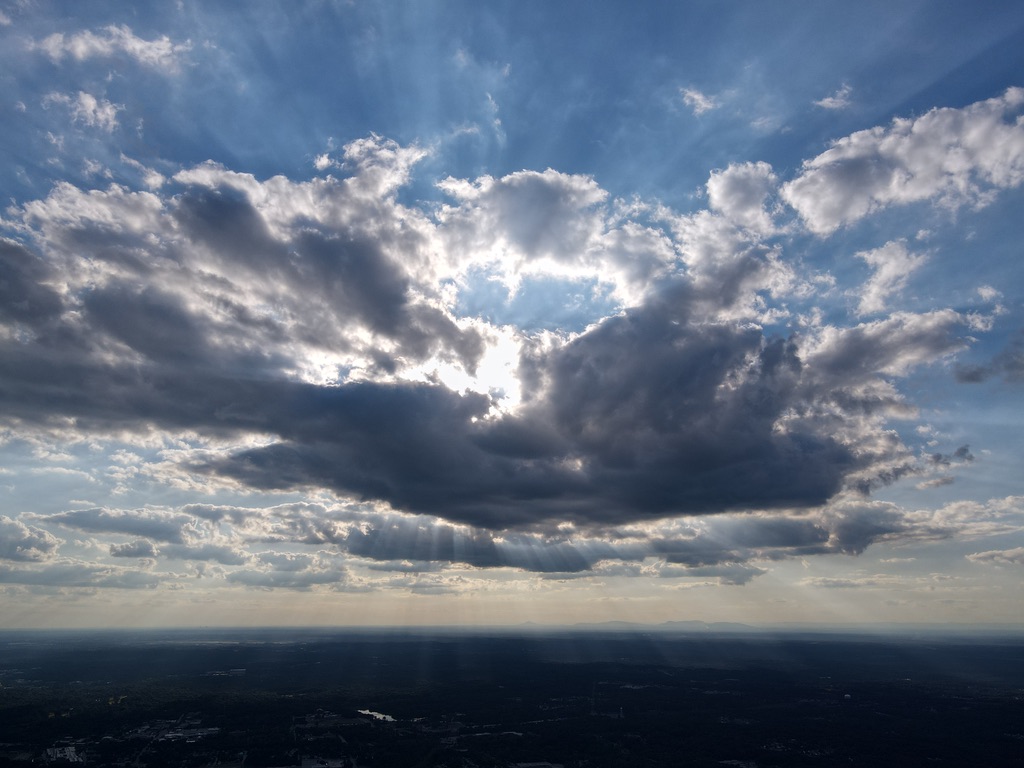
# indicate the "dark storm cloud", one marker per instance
pixel 675 417
pixel 152 323
pixel 630 420
pixel 24 298
pixel 638 403
pixel 189 313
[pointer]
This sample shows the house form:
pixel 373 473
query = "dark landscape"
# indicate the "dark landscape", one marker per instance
pixel 688 695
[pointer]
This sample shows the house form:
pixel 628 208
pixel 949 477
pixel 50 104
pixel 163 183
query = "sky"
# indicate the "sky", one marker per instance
pixel 482 313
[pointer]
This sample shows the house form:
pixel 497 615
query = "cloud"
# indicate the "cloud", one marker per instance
pixel 953 156
pixel 961 454
pixel 86 108
pixel 25 543
pixel 734 574
pixel 112 40
pixel 730 547
pixel 623 427
pixel 162 525
pixel 415 544
pixel 308 327
pixel 838 100
pixel 548 225
pixel 216 553
pixel 739 193
pixel 891 346
pixel 79 574
pixel 151 178
pixel 856 582
pixel 297 572
pixel 999 557
pixel 973 520
pixel 697 101
pixel 529 216
pixel 136 548
pixel 892 265
pixel 24 296
pixel 1008 364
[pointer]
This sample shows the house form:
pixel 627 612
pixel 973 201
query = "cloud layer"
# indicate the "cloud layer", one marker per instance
pixel 700 417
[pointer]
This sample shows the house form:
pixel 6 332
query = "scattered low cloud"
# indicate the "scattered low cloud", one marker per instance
pixel 88 110
pixel 838 100
pixel 112 40
pixel 136 548
pixel 26 543
pixel 953 156
pixel 999 557
pixel 697 101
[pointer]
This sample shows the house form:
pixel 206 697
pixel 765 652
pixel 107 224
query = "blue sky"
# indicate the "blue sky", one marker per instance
pixel 477 313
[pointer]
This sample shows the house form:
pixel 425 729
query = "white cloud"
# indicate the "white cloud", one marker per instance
pixel 892 264
pixel 740 193
pixel 953 156
pixel 526 223
pixel 697 101
pixel 838 100
pixel 988 293
pixel 86 108
pixel 160 53
pixel 999 556
pixel 152 179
